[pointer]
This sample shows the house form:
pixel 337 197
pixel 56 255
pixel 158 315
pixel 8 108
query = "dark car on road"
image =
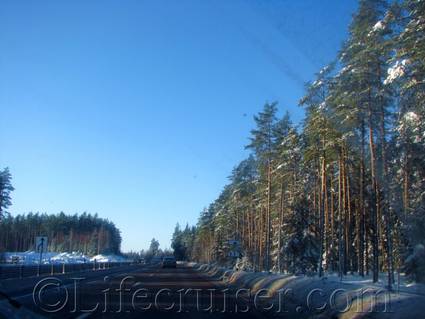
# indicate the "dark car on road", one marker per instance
pixel 156 260
pixel 169 261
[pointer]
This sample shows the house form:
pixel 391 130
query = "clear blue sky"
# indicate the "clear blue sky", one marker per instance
pixel 138 110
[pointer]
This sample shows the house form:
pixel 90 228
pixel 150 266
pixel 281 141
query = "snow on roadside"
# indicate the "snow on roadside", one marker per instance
pixel 33 258
pixel 107 258
pixel 67 258
pixel 352 296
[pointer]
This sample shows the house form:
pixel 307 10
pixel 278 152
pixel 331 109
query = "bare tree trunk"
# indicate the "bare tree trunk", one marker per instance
pixel 375 198
pixel 332 236
pixel 340 210
pixel 344 205
pixel 268 217
pixel 349 223
pixel 406 185
pixel 279 244
pixel 322 216
pixel 386 193
pixel 326 223
pixel 361 231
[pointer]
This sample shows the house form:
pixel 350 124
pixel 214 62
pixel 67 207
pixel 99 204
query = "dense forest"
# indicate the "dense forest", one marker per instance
pixel 153 251
pixel 344 191
pixel 84 233
pixel 182 241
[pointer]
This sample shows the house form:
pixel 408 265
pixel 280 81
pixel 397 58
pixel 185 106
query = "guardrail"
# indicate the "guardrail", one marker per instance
pixel 23 271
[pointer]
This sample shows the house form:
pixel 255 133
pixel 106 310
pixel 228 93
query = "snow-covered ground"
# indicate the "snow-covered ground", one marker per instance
pixel 108 258
pixel 32 257
pixel 352 296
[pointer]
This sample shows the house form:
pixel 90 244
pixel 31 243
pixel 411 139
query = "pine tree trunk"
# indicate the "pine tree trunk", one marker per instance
pixel 268 217
pixel 344 209
pixel 279 246
pixel 332 236
pixel 340 210
pixel 386 195
pixel 322 216
pixel 375 197
pixel 406 173
pixel 349 223
pixel 326 223
pixel 361 222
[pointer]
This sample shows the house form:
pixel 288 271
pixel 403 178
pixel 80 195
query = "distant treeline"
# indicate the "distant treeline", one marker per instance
pixel 85 233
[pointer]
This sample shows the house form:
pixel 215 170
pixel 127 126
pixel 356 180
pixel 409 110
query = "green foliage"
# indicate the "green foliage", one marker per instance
pixel 182 242
pixel 5 189
pixel 301 248
pixel 351 178
pixel 85 233
pixel 154 247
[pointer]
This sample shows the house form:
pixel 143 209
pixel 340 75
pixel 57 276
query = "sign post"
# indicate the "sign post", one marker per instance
pixel 41 246
pixel 234 248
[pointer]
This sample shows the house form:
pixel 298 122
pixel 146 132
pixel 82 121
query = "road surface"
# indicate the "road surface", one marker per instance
pixel 131 292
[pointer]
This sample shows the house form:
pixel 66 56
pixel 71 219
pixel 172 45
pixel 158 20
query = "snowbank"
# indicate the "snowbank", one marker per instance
pixel 68 258
pixel 108 258
pixel 28 257
pixel 32 257
pixel 352 296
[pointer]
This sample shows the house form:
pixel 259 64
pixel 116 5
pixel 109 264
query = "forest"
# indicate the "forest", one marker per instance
pixel 343 191
pixel 84 233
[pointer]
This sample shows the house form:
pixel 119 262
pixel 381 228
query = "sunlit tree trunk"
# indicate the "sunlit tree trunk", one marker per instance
pixel 322 215
pixel 375 196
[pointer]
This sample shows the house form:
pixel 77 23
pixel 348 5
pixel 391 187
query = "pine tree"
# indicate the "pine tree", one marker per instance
pixel 5 189
pixel 262 144
pixel 406 78
pixel 337 193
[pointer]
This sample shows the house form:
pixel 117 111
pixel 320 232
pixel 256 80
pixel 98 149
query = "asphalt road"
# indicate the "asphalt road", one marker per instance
pixel 131 292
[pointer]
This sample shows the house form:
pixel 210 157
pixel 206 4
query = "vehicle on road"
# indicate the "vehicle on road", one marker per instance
pixel 169 261
pixel 156 260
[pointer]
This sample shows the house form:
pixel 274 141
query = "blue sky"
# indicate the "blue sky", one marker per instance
pixel 138 110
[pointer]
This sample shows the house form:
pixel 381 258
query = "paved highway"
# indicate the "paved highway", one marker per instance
pixel 131 292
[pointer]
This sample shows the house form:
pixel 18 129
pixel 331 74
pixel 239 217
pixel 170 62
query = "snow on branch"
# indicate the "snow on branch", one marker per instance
pixel 396 71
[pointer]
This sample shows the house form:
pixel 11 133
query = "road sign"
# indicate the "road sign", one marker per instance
pixel 234 254
pixel 233 242
pixel 234 248
pixel 41 244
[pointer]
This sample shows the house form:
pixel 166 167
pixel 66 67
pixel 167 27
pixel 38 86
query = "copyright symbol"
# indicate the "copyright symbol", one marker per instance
pixel 49 294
